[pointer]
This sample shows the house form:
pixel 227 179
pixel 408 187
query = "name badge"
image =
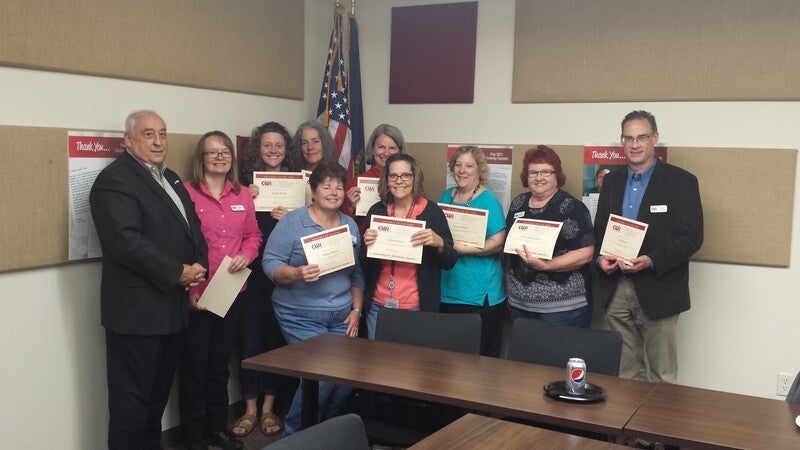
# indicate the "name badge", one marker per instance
pixel 519 214
pixel 237 207
pixel 391 303
pixel 658 208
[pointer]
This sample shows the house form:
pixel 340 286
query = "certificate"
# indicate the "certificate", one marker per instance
pixel 369 194
pixel 623 238
pixel 306 176
pixel 539 236
pixel 331 250
pixel 275 189
pixel 394 239
pixel 223 288
pixel 467 225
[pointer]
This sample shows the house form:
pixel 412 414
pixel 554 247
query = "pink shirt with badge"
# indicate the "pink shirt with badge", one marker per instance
pixel 405 294
pixel 228 224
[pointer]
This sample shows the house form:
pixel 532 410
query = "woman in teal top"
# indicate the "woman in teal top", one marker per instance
pixel 475 284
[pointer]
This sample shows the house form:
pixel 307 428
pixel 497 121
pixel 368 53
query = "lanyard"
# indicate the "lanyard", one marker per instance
pixel 391 210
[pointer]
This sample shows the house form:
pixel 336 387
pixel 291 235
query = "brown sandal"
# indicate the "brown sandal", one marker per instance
pixel 268 420
pixel 247 421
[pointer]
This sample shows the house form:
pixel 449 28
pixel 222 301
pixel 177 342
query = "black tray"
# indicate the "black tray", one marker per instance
pixel 558 391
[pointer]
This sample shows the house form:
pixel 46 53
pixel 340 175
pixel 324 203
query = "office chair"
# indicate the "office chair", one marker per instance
pixel 399 421
pixel 793 396
pixel 543 343
pixel 337 433
pixel 453 332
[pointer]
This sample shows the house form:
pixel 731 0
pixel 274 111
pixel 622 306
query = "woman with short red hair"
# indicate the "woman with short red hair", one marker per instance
pixel 557 290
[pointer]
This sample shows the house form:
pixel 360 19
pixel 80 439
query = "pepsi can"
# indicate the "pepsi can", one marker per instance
pixel 576 376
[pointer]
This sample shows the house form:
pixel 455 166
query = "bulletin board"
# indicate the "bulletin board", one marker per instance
pixel 655 50
pixel 250 46
pixel 750 226
pixel 34 192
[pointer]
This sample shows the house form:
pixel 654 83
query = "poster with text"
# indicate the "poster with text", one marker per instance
pixel 89 153
pixel 598 160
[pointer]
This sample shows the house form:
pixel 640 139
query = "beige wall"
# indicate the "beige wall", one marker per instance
pixel 742 328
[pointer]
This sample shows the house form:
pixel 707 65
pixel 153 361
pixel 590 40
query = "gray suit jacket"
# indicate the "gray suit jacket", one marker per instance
pixel 145 242
pixel 672 237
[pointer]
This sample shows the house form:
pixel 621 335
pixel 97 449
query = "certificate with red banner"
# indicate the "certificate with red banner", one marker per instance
pixel 331 250
pixel 623 238
pixel 287 189
pixel 369 194
pixel 538 236
pixel 467 225
pixel 394 239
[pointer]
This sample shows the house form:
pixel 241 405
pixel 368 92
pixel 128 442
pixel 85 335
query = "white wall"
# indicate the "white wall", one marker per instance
pixel 742 328
pixel 743 325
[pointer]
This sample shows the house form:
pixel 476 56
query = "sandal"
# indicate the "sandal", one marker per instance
pixel 247 421
pixel 268 420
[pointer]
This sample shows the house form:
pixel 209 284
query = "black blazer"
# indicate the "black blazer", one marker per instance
pixel 145 242
pixel 672 237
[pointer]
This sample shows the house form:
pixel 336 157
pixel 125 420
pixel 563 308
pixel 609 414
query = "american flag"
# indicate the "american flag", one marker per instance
pixel 334 109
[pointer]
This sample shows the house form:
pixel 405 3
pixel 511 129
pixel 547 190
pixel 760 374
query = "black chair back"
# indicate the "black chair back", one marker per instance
pixel 454 332
pixel 540 342
pixel 793 396
pixel 338 433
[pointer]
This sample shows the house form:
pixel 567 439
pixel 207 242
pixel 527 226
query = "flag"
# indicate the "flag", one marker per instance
pixel 334 110
pixel 356 110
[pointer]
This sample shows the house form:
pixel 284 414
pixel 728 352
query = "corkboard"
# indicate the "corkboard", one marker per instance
pixel 34 191
pixel 250 46
pixel 742 226
pixel 655 50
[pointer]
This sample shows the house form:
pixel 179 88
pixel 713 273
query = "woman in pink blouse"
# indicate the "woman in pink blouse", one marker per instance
pixel 228 222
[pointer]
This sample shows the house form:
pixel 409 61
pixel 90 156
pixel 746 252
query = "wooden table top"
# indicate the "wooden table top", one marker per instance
pixel 473 432
pixel 480 383
pixel 702 418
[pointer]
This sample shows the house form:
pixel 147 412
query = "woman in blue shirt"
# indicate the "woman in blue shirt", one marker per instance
pixel 475 284
pixel 307 304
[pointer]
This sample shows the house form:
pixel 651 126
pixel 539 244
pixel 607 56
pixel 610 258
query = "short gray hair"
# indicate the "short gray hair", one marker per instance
pixel 130 122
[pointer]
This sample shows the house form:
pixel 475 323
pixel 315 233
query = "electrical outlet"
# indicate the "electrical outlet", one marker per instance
pixel 784 383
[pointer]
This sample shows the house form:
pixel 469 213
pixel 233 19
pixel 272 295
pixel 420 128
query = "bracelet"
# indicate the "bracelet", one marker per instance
pixel 358 311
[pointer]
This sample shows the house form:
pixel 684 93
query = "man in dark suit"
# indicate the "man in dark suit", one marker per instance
pixel 153 251
pixel 645 295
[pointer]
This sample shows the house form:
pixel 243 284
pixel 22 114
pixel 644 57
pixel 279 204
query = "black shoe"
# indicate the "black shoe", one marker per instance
pixel 225 440
pixel 197 446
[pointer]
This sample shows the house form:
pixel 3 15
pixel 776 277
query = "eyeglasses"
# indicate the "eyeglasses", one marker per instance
pixel 216 153
pixel 400 176
pixel 544 173
pixel 639 138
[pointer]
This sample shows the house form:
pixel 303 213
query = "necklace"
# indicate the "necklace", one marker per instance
pixel 472 196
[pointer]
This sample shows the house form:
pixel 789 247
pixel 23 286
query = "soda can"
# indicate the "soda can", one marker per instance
pixel 576 376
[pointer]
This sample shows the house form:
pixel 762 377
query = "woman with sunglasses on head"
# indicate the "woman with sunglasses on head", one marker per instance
pixel 228 222
pixel 404 285
pixel 557 290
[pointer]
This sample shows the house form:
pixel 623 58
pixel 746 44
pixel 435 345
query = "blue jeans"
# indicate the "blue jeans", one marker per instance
pixel 579 318
pixel 372 318
pixel 299 325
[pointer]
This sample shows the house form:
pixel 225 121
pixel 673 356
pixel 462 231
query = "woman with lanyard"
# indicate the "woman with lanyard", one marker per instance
pixel 475 284
pixel 392 284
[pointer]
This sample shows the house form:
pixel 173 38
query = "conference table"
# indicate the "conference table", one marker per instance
pixel 701 418
pixel 474 432
pixel 480 383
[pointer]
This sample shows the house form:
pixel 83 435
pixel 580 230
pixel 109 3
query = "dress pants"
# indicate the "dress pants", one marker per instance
pixel 140 370
pixel 204 373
